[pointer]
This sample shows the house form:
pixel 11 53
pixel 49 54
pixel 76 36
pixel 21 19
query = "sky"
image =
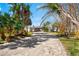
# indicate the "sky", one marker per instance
pixel 36 14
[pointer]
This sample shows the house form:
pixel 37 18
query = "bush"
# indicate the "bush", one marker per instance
pixel 77 34
pixel 28 34
pixel 45 29
pixel 1 41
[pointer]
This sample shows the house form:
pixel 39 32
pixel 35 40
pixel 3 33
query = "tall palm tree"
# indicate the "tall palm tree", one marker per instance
pixel 2 25
pixel 6 25
pixel 21 13
pixel 52 8
pixel 63 14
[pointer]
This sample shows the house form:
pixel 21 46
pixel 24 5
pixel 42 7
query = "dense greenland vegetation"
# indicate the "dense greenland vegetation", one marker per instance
pixel 13 25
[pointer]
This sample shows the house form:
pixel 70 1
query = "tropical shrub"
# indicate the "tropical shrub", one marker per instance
pixel 13 25
pixel 45 29
pixel 28 34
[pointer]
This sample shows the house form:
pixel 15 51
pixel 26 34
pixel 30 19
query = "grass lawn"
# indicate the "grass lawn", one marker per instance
pixel 53 33
pixel 1 41
pixel 29 34
pixel 71 46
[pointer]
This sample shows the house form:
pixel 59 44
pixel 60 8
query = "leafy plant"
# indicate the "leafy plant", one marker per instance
pixel 12 25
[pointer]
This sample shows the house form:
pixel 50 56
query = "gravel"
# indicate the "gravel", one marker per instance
pixel 49 47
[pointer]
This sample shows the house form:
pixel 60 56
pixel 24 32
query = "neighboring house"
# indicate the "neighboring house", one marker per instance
pixel 28 28
pixel 55 28
pixel 36 29
pixel 50 28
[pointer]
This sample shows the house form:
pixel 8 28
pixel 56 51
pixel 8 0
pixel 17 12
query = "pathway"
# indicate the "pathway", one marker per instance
pixel 40 44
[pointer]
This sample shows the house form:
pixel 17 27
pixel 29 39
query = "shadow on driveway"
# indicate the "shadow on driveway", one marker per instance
pixel 28 42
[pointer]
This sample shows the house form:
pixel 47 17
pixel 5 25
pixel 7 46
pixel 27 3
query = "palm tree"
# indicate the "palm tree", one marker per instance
pixel 56 25
pixel 2 25
pixel 52 8
pixel 6 25
pixel 26 15
pixel 63 14
pixel 13 25
pixel 21 13
pixel 45 26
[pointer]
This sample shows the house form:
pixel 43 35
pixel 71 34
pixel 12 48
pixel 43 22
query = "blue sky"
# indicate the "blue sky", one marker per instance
pixel 36 14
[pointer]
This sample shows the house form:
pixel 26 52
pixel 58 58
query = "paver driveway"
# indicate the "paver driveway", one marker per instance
pixel 40 44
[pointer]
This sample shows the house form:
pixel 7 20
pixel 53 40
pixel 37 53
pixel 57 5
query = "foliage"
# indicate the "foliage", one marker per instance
pixel 28 34
pixel 77 34
pixel 68 15
pixel 19 25
pixel 1 41
pixel 71 45
pixel 45 26
pixel 52 8
pixel 56 24
pixel 54 33
pixel 13 25
pixel 45 29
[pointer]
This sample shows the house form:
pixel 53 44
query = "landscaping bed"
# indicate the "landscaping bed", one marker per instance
pixel 27 34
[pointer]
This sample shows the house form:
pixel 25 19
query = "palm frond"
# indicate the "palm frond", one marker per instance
pixel 48 14
pixel 43 7
pixel 51 8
